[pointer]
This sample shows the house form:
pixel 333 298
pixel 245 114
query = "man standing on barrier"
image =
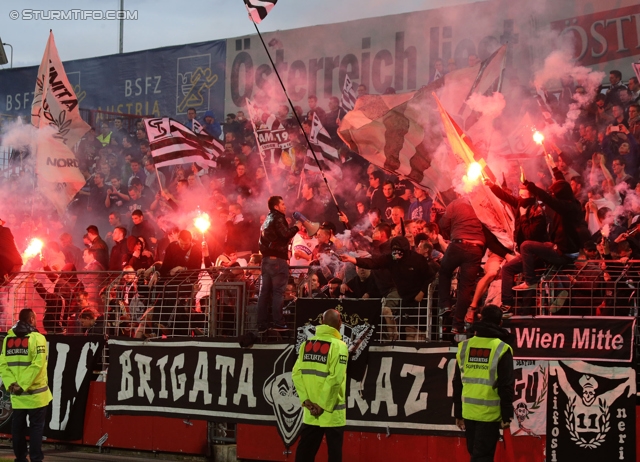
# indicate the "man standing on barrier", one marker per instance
pixel 23 367
pixel 483 385
pixel 320 377
pixel 275 236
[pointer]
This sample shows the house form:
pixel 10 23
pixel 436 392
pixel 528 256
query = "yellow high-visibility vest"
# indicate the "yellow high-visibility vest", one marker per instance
pixel 320 375
pixel 24 361
pixel 478 359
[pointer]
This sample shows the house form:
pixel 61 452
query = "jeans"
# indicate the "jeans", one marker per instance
pixel 273 281
pixel 310 439
pixel 19 433
pixel 509 272
pixel 532 250
pixel 482 438
pixel 468 258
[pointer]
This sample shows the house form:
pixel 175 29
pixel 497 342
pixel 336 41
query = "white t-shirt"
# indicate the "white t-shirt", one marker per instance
pixel 303 245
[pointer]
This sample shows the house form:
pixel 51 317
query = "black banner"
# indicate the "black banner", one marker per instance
pixel 360 321
pixel 406 390
pixel 72 361
pixel 591 412
pixel 570 337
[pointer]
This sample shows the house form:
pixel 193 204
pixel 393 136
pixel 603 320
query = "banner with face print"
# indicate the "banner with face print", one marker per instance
pixel 530 398
pixel 406 389
pixel 591 411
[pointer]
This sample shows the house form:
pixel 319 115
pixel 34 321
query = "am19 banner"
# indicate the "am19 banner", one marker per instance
pixel 591 413
pixel 598 338
pixel 72 361
pixel 406 390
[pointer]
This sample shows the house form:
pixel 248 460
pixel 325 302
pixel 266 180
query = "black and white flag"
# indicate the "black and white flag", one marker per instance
pixel 272 137
pixel 349 95
pixel 197 128
pixel 325 151
pixel 591 412
pixel 171 143
pixel 259 9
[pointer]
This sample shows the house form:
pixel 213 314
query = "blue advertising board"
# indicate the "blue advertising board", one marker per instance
pixel 159 82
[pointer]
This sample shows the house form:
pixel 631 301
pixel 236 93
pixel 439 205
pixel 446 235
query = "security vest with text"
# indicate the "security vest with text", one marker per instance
pixel 24 361
pixel 320 375
pixel 478 359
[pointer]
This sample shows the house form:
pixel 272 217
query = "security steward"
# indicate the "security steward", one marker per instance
pixel 483 385
pixel 320 377
pixel 23 368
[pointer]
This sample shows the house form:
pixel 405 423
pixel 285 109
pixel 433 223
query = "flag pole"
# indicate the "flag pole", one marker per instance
pixel 260 150
pixel 296 116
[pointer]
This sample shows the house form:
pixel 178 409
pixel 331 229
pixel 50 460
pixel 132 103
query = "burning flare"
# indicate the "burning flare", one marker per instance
pixel 538 137
pixel 34 248
pixel 474 173
pixel 202 223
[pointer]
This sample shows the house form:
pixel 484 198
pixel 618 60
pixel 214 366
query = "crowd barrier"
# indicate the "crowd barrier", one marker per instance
pixel 221 303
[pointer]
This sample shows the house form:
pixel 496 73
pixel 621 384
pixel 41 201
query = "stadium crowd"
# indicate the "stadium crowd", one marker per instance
pixel 583 210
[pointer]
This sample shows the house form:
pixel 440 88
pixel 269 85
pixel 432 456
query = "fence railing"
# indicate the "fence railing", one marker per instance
pixel 223 302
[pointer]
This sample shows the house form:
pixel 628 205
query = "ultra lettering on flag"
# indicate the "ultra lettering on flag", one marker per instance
pixel 171 143
pixel 259 9
pixel 55 104
pixel 56 114
pixel 349 95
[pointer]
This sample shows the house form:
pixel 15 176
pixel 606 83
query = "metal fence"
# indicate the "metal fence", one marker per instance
pixel 223 302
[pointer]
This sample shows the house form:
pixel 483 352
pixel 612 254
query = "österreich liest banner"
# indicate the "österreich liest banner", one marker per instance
pixel 406 390
pixel 72 361
pixel 562 337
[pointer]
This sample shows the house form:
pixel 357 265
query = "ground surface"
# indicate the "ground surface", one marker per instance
pixel 51 454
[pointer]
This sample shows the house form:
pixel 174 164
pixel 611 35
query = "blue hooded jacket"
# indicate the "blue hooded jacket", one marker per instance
pixel 214 129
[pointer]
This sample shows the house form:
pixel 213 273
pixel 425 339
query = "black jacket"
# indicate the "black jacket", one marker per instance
pixel 119 256
pixel 532 226
pixel 506 377
pixel 567 223
pixel 411 274
pixel 275 235
pixel 102 251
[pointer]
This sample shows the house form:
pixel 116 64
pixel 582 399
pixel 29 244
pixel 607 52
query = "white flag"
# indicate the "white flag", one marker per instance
pixel 59 178
pixel 55 103
pixel 56 114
